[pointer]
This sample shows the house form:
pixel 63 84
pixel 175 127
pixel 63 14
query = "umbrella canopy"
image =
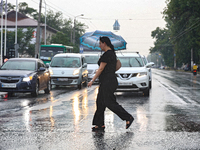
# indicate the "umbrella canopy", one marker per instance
pixel 91 40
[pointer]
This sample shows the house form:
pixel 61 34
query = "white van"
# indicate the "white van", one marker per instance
pixel 92 66
pixel 69 69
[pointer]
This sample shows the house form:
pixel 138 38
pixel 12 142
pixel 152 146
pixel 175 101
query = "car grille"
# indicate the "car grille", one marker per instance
pixel 125 87
pixel 9 79
pixel 126 75
pixel 62 82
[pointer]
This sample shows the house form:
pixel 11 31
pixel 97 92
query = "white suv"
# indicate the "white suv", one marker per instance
pixel 149 69
pixel 133 75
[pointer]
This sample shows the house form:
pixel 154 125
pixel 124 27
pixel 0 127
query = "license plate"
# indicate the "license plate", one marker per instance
pixel 62 79
pixel 125 83
pixel 8 85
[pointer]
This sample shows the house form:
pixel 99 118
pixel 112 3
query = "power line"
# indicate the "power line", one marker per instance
pixel 68 15
pixel 185 31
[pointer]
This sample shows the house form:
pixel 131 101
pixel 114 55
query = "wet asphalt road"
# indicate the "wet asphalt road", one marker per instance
pixel 168 119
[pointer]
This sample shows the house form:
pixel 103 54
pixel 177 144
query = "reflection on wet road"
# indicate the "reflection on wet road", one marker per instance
pixel 167 119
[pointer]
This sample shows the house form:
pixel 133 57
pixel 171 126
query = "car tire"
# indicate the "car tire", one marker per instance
pixel 150 85
pixel 85 83
pixel 146 92
pixel 80 85
pixel 48 89
pixel 36 90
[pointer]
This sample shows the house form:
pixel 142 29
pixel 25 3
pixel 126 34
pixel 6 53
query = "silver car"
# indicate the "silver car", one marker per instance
pixel 68 69
pixel 92 66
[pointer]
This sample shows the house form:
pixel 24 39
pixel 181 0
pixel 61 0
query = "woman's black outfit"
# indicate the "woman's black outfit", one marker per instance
pixel 107 87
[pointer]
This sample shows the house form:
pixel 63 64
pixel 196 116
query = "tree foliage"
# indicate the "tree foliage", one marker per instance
pixel 24 40
pixel 54 20
pixel 181 33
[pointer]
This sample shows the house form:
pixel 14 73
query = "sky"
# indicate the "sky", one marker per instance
pixel 137 18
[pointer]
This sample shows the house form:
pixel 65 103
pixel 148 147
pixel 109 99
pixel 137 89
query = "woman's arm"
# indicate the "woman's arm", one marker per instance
pixel 101 67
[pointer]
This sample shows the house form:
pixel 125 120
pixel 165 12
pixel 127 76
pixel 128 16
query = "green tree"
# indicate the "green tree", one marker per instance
pixel 185 28
pixel 24 9
pixel 163 45
pixel 65 28
pixel 24 40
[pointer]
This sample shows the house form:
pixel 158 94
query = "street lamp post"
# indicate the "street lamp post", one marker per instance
pixel 75 27
pixel 45 39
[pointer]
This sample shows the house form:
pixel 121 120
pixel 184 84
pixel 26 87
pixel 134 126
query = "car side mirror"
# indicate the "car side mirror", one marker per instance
pixel 84 65
pixel 47 65
pixel 148 65
pixel 42 69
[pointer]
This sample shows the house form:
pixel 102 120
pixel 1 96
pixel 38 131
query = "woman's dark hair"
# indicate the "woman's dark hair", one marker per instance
pixel 105 39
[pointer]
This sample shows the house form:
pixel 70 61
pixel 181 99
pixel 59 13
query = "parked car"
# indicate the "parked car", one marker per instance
pixel 24 75
pixel 133 76
pixel 149 70
pixel 69 69
pixel 92 66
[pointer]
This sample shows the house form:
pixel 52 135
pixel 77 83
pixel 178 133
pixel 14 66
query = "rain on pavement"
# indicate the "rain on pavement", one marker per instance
pixel 167 119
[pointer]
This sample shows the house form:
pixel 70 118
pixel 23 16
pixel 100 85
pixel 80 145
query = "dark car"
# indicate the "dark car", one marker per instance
pixel 24 75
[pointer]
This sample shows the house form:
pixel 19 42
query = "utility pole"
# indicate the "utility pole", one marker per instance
pixel 37 47
pixel 71 37
pixel 74 34
pixel 174 61
pixel 74 30
pixel 16 45
pixel 192 59
pixel 45 38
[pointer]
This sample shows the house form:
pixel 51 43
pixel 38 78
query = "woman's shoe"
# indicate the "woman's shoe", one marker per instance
pixel 130 122
pixel 97 128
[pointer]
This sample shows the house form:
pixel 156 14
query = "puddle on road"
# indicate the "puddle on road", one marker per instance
pixel 182 120
pixel 59 116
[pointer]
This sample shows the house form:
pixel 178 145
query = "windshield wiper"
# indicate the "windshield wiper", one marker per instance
pixel 130 63
pixel 138 62
pixel 56 66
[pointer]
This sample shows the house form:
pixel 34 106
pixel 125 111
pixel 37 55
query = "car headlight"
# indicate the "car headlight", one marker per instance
pixel 76 72
pixel 141 74
pixel 27 79
pixel 51 71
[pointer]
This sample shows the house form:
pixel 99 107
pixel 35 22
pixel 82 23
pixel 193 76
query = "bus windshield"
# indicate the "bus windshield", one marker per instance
pixel 48 52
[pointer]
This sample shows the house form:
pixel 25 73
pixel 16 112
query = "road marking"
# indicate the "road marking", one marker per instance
pixel 181 98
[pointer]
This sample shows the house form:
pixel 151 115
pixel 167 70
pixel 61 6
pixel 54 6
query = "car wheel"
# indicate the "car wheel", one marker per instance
pixel 150 85
pixel 85 83
pixel 146 92
pixel 48 89
pixel 80 86
pixel 36 90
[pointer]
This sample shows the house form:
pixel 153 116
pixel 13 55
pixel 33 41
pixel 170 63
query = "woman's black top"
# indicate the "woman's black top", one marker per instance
pixel 108 73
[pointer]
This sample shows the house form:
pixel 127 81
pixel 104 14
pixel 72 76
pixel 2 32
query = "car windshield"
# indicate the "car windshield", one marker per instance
pixel 68 62
pixel 91 59
pixel 19 65
pixel 131 61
